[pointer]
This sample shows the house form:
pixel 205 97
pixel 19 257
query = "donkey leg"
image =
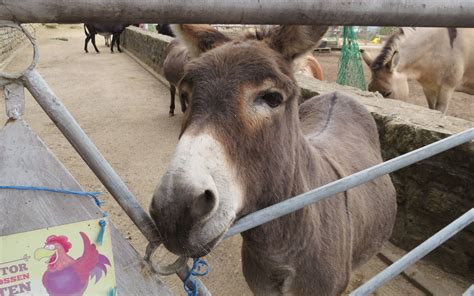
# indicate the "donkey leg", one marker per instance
pixel 86 42
pixel 118 43
pixel 184 103
pixel 173 92
pixel 444 97
pixel 93 43
pixel 112 43
pixel 431 97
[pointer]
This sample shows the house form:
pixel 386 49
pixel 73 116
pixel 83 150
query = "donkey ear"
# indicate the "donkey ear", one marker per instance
pixel 199 38
pixel 392 64
pixel 294 41
pixel 366 57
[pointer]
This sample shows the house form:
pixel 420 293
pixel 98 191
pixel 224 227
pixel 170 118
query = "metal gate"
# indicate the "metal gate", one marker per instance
pixel 373 12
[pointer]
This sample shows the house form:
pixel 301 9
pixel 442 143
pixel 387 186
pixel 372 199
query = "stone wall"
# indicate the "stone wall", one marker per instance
pixel 12 40
pixel 147 46
pixel 430 194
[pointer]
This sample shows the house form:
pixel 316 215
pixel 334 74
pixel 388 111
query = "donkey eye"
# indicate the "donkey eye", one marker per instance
pixel 272 99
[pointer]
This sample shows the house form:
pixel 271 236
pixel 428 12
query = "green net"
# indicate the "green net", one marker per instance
pixel 350 68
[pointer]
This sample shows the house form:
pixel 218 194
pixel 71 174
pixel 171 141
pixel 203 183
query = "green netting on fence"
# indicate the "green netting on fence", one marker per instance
pixel 350 68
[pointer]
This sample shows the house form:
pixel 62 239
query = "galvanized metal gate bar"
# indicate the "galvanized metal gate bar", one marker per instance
pixel 94 159
pixel 14 93
pixel 433 13
pixel 90 154
pixel 374 12
pixel 98 164
pixel 416 254
pixel 298 202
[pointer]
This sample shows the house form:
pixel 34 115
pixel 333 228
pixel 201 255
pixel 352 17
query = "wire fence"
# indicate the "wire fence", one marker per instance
pixel 12 40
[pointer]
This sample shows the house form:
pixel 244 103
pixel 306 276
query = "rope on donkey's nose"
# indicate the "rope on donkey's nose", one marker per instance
pixel 200 268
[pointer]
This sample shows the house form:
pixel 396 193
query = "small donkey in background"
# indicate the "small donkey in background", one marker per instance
pixel 103 29
pixel 173 67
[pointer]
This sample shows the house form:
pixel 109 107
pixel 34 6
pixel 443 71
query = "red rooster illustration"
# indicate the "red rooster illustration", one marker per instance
pixel 66 275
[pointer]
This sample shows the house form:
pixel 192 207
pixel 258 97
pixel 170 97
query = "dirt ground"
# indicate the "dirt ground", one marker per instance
pixel 124 110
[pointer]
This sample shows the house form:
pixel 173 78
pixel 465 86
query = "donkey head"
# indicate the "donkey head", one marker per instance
pixel 239 135
pixel 385 78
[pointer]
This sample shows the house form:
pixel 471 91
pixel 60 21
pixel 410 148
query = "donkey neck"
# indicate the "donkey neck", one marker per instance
pixel 300 227
pixel 416 52
pixel 307 173
pixel 307 166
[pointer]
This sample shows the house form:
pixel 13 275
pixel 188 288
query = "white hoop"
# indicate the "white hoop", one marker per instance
pixel 164 269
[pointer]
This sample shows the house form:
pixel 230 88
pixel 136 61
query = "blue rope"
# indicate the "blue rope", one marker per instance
pixel 102 223
pixel 93 195
pixel 112 291
pixel 194 271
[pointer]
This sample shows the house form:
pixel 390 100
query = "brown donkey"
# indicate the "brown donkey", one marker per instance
pixel 246 144
pixel 173 67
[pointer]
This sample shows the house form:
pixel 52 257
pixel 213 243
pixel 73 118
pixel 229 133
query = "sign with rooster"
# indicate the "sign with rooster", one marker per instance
pixel 62 260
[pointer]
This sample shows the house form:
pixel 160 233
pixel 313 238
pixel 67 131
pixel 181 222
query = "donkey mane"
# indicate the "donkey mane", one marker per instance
pixel 393 42
pixel 261 32
pixel 453 33
pixel 388 50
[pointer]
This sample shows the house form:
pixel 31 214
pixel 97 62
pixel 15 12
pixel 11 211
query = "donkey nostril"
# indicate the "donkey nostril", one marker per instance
pixel 209 196
pixel 204 204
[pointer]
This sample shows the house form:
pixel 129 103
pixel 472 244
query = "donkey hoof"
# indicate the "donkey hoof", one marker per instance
pixel 171 113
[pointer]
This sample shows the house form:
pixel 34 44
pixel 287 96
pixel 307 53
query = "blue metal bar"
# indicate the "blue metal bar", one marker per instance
pixel 416 254
pixel 300 201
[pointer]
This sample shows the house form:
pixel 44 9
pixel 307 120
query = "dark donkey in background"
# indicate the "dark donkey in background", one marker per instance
pixel 114 29
pixel 164 29
pixel 246 143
